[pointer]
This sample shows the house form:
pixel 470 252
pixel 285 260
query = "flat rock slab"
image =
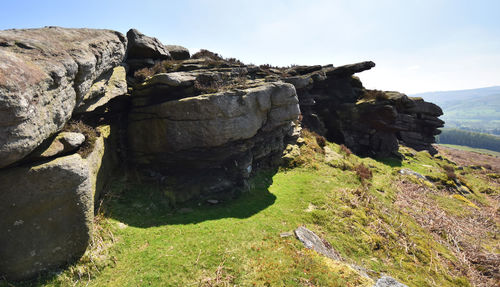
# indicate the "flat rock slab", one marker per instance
pixel 313 241
pixel 406 171
pixel 386 281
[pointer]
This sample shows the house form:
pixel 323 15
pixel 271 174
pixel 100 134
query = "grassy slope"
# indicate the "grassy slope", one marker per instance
pixel 239 243
pixel 466 148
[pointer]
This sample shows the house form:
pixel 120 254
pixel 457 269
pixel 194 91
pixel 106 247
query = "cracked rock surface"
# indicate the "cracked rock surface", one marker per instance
pixel 44 74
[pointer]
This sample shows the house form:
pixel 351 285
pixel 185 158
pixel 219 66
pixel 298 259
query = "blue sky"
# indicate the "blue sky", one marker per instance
pixel 417 45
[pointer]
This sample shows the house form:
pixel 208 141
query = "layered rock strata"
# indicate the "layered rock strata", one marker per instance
pixel 207 122
pixel 175 129
pixel 370 123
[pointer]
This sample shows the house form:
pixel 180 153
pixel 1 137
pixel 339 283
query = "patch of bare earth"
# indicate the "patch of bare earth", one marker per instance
pixel 466 234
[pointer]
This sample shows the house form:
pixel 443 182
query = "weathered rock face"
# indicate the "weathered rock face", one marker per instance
pixel 107 87
pixel 224 133
pixel 371 123
pixel 44 74
pixel 46 218
pixel 211 120
pixel 375 127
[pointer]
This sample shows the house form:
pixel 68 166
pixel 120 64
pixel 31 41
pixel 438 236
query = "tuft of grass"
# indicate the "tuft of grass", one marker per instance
pixel 144 73
pixel 450 172
pixel 320 140
pixel 207 54
pixel 373 95
pixel 345 150
pixel 95 259
pixel 363 172
pixel 216 58
pixel 164 66
pixel 208 84
pixel 310 152
pixel 89 132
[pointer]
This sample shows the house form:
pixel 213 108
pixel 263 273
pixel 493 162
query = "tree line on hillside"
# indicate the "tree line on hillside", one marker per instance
pixel 488 127
pixel 468 138
pixel 495 131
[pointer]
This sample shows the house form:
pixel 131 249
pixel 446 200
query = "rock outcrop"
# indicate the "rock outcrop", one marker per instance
pixel 177 128
pixel 376 127
pixel 207 121
pixel 109 86
pixel 44 75
pixel 370 123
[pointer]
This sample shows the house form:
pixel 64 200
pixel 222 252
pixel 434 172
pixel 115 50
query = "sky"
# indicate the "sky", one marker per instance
pixel 418 46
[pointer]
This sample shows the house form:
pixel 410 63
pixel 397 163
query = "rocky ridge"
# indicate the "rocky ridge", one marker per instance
pixel 74 100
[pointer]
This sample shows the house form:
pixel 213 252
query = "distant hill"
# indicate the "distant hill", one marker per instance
pixel 474 110
pixel 470 139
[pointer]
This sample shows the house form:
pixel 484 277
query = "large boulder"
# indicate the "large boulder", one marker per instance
pixel 141 46
pixel 46 218
pixel 44 74
pixel 178 52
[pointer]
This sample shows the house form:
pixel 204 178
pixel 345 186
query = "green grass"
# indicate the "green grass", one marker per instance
pixel 238 243
pixel 466 148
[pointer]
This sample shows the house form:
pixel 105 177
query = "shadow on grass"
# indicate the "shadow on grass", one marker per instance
pixel 146 206
pixel 390 161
